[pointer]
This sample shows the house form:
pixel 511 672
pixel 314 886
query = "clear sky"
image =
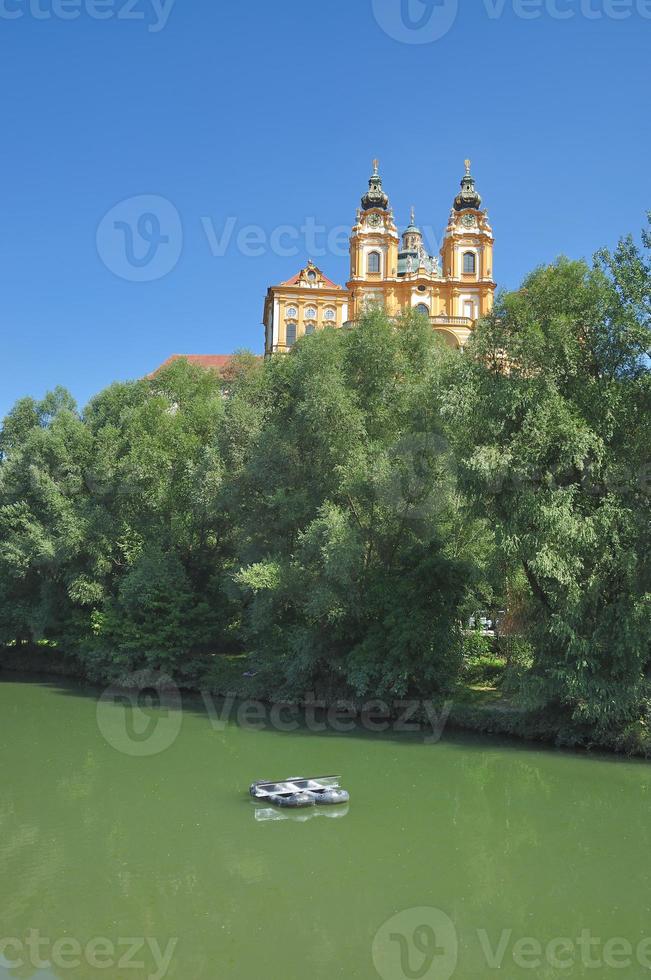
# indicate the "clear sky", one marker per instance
pixel 219 116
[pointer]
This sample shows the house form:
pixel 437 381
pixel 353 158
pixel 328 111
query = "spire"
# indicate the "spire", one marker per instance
pixel 468 198
pixel 412 222
pixel 412 237
pixel 375 196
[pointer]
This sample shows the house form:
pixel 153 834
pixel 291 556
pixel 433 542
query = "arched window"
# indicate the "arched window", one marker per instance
pixel 310 328
pixel 374 261
pixel 469 262
pixel 310 312
pixel 421 308
pixel 330 314
pixel 290 334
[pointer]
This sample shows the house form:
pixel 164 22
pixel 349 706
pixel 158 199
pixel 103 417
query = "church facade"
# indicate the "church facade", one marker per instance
pixel 394 272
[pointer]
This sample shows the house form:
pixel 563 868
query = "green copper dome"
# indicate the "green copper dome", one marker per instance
pixel 412 237
pixel 412 257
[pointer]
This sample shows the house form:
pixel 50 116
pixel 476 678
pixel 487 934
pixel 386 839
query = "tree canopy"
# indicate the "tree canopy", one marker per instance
pixel 339 512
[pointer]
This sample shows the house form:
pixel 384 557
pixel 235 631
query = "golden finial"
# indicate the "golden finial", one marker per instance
pixel 376 167
pixel 468 162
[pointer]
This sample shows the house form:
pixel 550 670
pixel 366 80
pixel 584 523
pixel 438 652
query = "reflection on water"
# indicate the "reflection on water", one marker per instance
pixel 263 814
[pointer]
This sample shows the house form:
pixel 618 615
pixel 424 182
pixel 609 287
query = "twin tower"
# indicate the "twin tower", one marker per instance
pixel 394 273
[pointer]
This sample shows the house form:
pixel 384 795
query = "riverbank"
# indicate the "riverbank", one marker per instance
pixel 474 708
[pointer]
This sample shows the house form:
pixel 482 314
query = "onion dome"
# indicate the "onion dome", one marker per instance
pixel 375 196
pixel 468 198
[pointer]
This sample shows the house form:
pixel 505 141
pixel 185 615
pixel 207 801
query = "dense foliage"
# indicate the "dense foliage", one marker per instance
pixel 553 440
pixel 355 556
pixel 339 513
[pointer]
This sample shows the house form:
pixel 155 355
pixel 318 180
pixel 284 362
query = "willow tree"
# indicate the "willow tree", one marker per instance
pixel 355 562
pixel 552 423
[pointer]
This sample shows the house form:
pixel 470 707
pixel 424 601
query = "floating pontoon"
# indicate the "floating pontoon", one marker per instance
pixel 299 791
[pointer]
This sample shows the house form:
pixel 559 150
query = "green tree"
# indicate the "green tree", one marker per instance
pixel 551 413
pixel 112 540
pixel 45 518
pixel 353 566
pixel 157 476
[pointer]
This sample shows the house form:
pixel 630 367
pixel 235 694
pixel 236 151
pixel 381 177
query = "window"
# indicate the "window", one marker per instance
pixel 421 308
pixel 330 314
pixel 310 328
pixel 290 334
pixel 310 313
pixel 469 262
pixel 374 261
pixel 311 275
pixel 292 312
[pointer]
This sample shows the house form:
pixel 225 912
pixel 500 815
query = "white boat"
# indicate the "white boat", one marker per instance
pixel 300 791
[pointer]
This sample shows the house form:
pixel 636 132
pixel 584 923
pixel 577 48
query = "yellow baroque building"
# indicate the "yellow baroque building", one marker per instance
pixel 394 272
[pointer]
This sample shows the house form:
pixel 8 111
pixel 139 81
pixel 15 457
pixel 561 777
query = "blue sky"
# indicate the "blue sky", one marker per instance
pixel 268 114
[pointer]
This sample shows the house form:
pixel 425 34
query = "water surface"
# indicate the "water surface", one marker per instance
pixel 506 840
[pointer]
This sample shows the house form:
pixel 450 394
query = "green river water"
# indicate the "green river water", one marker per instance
pixel 467 858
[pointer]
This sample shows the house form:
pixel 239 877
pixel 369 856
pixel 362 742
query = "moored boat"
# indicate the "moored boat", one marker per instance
pixel 301 791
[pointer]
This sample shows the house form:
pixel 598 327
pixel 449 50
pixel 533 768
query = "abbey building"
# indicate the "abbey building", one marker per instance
pixel 394 271
pixel 389 270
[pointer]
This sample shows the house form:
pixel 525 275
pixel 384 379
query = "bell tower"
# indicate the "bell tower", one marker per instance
pixel 467 254
pixel 374 245
pixel 396 273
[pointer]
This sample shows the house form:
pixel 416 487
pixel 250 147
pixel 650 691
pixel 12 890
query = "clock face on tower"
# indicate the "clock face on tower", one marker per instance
pixel 468 221
pixel 374 220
